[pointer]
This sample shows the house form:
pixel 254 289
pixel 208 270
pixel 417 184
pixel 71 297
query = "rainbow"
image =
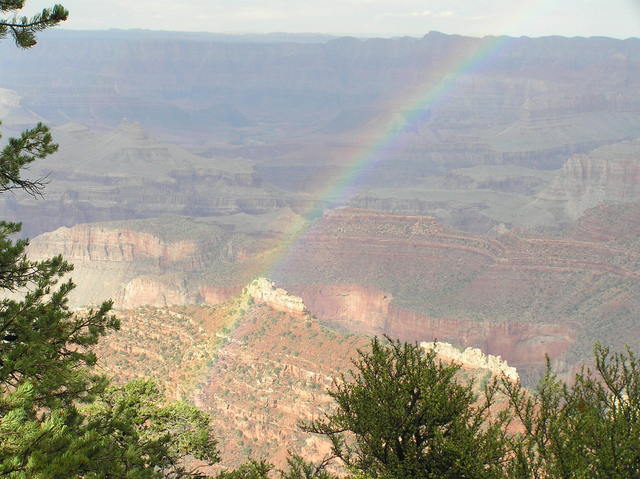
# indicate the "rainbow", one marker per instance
pixel 341 185
pixel 428 94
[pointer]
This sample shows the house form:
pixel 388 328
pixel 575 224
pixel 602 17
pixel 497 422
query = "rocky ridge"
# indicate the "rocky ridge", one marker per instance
pixel 609 174
pixel 257 370
pixel 473 358
pixel 519 295
pixel 264 291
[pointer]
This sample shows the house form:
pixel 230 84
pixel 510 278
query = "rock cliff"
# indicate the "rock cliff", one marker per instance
pixel 518 295
pixel 264 291
pixel 607 175
pixel 473 358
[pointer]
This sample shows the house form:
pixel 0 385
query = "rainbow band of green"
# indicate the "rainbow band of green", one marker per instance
pixel 338 188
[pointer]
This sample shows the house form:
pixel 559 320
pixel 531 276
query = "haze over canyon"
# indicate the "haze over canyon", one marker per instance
pixel 480 192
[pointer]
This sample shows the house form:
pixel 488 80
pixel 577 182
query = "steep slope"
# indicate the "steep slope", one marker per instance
pixel 518 295
pixel 169 260
pixel 12 113
pixel 257 370
pixel 609 174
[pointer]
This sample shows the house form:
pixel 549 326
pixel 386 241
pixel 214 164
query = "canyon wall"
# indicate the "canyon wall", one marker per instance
pixel 519 295
pixel 371 311
pixel 125 174
pixel 609 174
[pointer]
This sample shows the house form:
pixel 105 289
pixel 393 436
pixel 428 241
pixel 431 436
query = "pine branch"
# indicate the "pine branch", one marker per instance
pixel 24 29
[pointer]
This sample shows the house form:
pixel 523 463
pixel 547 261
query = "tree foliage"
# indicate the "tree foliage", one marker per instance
pixel 402 413
pixel 136 433
pixel 59 418
pixel 297 468
pixel 23 29
pixel 252 469
pixel 589 429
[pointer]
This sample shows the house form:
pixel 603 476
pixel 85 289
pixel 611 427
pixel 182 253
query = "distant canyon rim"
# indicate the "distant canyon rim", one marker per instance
pixel 503 216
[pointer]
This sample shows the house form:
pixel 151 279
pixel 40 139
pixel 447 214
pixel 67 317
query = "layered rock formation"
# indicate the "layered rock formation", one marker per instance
pixel 125 173
pixel 473 358
pixel 606 175
pixel 258 371
pixel 165 261
pixel 519 295
pixel 172 346
pixel 264 291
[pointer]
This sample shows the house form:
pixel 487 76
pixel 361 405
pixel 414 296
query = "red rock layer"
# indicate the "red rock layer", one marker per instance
pixel 519 295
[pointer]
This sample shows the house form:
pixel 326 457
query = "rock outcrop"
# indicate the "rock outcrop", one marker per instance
pixel 264 291
pixel 473 358
pixel 518 295
pixel 607 175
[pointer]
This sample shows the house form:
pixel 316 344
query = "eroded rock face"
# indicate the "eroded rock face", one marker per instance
pixel 217 294
pixel 371 311
pixel 363 309
pixel 145 290
pixel 264 291
pixel 473 358
pixel 174 260
pixel 607 175
pixel 519 295
pixel 98 243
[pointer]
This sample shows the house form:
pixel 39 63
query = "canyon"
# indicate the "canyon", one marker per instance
pixel 257 370
pixel 241 124
pixel 124 173
pixel 519 295
pixel 259 207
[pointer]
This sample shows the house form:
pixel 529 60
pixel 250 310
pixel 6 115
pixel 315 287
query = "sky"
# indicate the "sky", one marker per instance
pixel 613 18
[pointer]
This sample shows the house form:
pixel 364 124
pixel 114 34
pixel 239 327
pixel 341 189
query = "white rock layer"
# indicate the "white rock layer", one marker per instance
pixel 473 357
